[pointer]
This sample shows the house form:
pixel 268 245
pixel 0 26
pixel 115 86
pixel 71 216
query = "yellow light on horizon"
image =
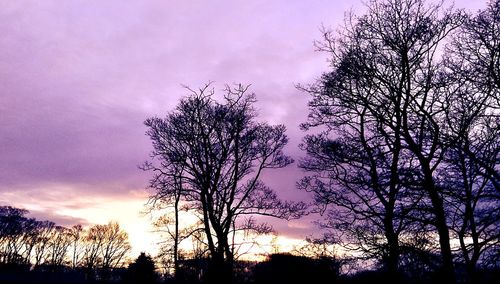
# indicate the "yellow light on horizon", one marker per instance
pixel 128 212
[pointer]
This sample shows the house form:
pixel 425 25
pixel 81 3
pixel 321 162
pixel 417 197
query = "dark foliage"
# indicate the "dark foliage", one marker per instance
pixel 287 268
pixel 142 270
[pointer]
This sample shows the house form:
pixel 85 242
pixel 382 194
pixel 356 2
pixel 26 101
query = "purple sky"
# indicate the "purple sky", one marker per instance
pixel 78 78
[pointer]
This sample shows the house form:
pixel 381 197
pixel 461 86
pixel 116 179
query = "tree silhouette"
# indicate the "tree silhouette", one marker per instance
pixel 383 110
pixel 215 153
pixel 142 270
pixel 105 247
pixel 31 249
pixel 76 236
pixel 12 228
pixel 60 241
pixel 471 175
pixel 44 233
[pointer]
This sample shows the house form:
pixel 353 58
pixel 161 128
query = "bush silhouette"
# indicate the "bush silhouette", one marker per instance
pixel 287 268
pixel 142 270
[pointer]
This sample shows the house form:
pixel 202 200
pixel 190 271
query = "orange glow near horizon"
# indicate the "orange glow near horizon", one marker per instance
pixel 129 212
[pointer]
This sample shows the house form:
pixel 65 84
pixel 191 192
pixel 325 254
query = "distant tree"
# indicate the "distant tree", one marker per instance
pixel 59 242
pixel 174 232
pixel 115 246
pixel 93 242
pixel 29 241
pixel 142 270
pixel 167 198
pixel 382 107
pixel 76 234
pixel 217 153
pixel 323 251
pixel 12 228
pixel 44 234
pixel 30 238
pixel 105 247
pixel 316 248
pixel 30 249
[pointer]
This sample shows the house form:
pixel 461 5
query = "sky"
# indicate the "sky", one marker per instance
pixel 78 79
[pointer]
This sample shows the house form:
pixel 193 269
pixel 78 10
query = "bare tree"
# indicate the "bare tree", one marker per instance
pixel 357 178
pixel 174 234
pixel 76 238
pixel 383 104
pixel 167 197
pixel 30 238
pixel 115 246
pixel 105 247
pixel 25 241
pixel 12 228
pixel 60 240
pixel 45 230
pixel 93 242
pixel 317 248
pixel 222 151
pixel 474 62
pixel 471 175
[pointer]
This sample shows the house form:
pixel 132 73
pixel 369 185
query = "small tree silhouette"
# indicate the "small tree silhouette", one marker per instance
pixel 142 270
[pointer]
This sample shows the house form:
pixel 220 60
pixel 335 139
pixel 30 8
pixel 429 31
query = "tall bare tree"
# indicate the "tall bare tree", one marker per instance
pixel 222 151
pixel 383 105
pixel 473 133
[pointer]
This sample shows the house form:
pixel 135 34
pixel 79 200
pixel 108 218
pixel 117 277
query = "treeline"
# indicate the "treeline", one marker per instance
pixel 27 244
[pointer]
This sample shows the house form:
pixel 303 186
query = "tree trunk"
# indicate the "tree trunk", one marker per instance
pixel 176 237
pixel 392 261
pixel 447 272
pixel 218 270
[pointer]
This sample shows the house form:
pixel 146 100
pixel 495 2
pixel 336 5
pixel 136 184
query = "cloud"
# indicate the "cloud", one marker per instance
pixel 79 78
pixel 60 220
